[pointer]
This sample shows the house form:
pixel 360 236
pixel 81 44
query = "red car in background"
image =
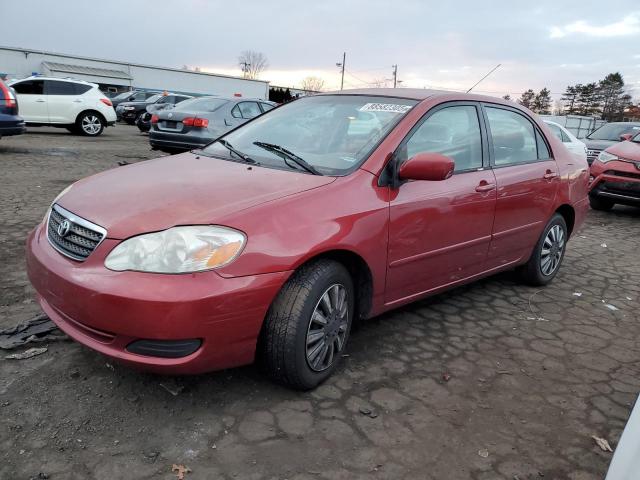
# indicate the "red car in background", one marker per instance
pixel 271 240
pixel 615 175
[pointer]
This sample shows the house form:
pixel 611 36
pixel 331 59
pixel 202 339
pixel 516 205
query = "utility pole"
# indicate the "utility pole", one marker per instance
pixel 395 75
pixel 245 68
pixel 344 60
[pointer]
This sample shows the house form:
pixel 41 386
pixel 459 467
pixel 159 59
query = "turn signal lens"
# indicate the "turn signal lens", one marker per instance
pixel 154 118
pixel 195 122
pixel 107 102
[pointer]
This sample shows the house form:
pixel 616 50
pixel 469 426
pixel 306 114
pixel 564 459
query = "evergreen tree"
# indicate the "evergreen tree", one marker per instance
pixel 613 97
pixel 569 98
pixel 507 97
pixel 588 100
pixel 542 102
pixel 527 98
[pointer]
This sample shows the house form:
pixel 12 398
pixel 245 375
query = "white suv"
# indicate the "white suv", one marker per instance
pixel 78 106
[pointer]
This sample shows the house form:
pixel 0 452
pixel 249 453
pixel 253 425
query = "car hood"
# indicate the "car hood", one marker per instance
pixel 628 150
pixel 184 189
pixel 598 144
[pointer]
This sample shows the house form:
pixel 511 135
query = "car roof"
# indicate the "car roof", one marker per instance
pixel 59 79
pixel 422 94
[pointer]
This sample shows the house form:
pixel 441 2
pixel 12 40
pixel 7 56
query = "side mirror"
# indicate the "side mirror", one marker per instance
pixel 626 137
pixel 427 166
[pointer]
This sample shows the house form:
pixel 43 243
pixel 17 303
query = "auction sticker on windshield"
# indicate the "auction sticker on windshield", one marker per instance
pixel 385 107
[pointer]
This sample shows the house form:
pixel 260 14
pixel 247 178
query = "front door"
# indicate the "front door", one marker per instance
pixel 440 231
pixel 527 180
pixel 32 101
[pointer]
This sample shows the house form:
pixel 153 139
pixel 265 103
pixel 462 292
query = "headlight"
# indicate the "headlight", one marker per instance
pixel 129 108
pixel 178 250
pixel 605 157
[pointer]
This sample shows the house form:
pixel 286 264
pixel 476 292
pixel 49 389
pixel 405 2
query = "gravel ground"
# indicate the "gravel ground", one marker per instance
pixel 492 380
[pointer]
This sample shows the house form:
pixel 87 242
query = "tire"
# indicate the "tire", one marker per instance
pixel 598 203
pixel 90 124
pixel 537 273
pixel 290 338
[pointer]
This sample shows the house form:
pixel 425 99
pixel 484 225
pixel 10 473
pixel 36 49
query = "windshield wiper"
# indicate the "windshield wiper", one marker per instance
pixel 287 154
pixel 228 146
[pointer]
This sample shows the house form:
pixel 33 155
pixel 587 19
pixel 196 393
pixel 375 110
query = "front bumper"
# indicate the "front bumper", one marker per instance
pixel 618 181
pixel 107 311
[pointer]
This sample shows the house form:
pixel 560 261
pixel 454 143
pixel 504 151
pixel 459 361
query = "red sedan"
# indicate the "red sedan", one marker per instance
pixel 269 242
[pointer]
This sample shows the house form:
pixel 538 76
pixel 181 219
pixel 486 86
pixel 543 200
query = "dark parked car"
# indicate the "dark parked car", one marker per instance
pixel 270 242
pixel 607 135
pixel 132 96
pixel 616 176
pixel 143 121
pixel 199 121
pixel 10 122
pixel 130 111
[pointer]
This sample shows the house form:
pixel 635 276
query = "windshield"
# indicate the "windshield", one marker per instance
pixel 612 131
pixel 332 133
pixel 153 98
pixel 202 104
pixel 124 95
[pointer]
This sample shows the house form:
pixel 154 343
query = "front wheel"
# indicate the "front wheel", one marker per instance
pixel 548 253
pixel 598 203
pixel 90 124
pixel 307 327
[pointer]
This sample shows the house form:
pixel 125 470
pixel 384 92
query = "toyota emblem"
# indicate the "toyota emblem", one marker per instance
pixel 170 115
pixel 64 227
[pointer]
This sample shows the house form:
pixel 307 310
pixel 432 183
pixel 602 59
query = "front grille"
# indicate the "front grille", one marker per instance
pixel 82 237
pixel 592 154
pixel 622 174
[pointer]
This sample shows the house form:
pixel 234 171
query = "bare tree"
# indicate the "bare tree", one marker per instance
pixel 252 63
pixel 312 84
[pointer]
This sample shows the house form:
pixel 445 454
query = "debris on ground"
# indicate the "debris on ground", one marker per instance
pixel 37 329
pixel 173 388
pixel 32 352
pixel 180 471
pixel 483 452
pixel 122 163
pixel 613 308
pixel 446 376
pixel 603 245
pixel 40 476
pixel 368 412
pixel 577 294
pixel 602 443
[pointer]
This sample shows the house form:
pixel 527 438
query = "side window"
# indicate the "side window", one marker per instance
pixel 53 87
pixel 81 88
pixel 30 87
pixel 565 137
pixel 249 109
pixel 235 112
pixel 556 131
pixel 543 151
pixel 453 131
pixel 514 138
pixel 266 107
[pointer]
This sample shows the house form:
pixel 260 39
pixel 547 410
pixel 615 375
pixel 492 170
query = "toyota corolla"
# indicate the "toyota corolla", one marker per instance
pixel 269 242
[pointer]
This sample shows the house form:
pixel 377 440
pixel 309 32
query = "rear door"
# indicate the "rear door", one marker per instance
pixel 440 231
pixel 63 101
pixel 32 100
pixel 527 180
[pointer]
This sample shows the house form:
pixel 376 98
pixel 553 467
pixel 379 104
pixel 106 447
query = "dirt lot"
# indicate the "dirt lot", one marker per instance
pixel 534 373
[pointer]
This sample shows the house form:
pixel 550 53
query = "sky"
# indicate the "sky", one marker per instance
pixel 444 44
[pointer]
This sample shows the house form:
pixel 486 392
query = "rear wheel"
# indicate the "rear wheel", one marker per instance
pixel 90 124
pixel 548 253
pixel 307 327
pixel 598 203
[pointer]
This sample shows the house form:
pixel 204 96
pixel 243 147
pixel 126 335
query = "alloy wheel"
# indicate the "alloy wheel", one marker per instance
pixel 91 124
pixel 552 249
pixel 327 331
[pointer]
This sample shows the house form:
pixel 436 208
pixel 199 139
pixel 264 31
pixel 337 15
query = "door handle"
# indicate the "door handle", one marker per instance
pixel 77 101
pixel 549 175
pixel 485 187
pixel 40 100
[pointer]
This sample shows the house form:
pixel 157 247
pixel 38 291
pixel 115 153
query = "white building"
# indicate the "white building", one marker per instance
pixel 116 76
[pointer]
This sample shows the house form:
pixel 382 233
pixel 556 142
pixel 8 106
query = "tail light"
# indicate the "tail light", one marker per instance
pixel 154 118
pixel 107 102
pixel 7 95
pixel 196 122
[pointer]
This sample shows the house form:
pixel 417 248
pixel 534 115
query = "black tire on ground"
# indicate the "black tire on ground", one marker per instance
pixel 532 272
pixel 130 121
pixel 599 203
pixel 283 341
pixel 90 124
